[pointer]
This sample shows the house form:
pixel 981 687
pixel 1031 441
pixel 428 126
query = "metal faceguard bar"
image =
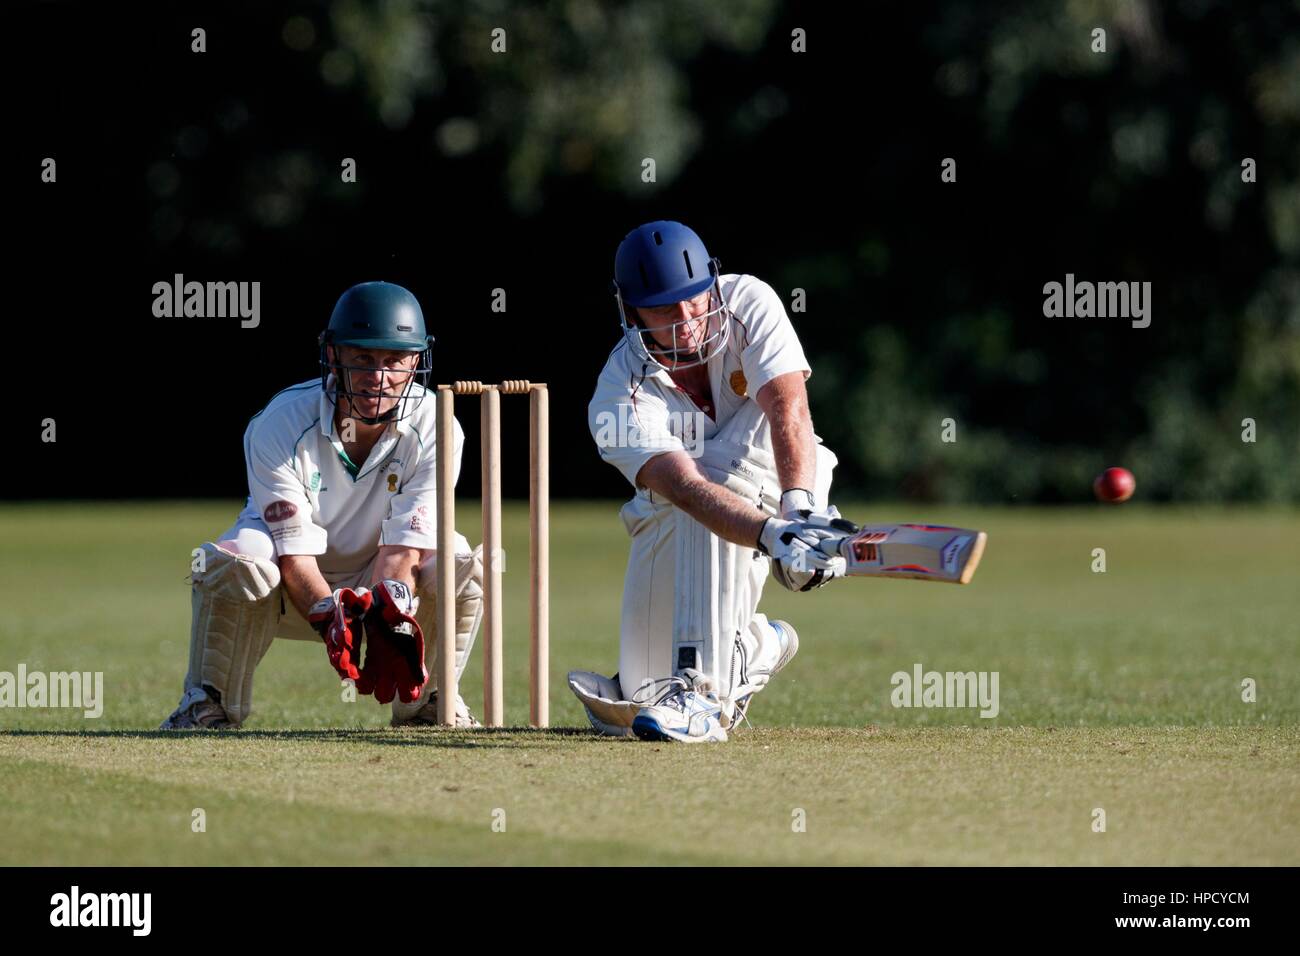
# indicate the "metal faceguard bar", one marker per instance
pixel 406 403
pixel 644 347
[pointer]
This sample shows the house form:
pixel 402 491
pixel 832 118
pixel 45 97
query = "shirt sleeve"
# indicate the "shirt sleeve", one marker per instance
pixel 771 346
pixel 630 426
pixel 276 490
pixel 412 520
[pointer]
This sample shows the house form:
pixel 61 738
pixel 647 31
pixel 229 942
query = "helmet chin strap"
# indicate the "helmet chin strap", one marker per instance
pixel 677 357
pixel 386 417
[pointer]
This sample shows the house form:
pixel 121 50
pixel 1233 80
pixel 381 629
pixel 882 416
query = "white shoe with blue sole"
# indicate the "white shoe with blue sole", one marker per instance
pixel 688 714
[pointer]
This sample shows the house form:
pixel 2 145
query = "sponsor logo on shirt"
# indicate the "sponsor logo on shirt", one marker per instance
pixel 419 517
pixel 279 511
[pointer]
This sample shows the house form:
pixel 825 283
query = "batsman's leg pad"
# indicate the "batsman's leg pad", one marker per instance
pixel 235 603
pixel 608 713
pixel 826 462
pixel 754 657
pixel 740 457
pixel 715 599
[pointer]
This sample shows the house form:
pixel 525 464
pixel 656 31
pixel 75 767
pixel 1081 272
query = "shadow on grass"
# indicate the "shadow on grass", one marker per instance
pixel 439 737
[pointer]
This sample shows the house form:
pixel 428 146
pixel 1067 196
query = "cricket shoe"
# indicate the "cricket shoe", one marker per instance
pixel 428 714
pixel 688 713
pixel 199 711
pixel 789 639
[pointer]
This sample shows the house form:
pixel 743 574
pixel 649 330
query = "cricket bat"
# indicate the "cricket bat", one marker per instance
pixel 926 552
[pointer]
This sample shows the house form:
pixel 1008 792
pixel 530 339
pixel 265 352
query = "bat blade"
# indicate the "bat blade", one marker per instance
pixel 919 551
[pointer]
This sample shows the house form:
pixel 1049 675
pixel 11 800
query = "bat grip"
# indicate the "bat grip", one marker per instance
pixel 833 547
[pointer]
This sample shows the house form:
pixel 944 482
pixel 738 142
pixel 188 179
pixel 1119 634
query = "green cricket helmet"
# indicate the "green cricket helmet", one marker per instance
pixel 382 317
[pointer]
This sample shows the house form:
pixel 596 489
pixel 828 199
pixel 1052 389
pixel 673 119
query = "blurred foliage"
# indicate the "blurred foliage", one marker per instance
pixel 588 89
pixel 1176 104
pixel 575 87
pixel 820 172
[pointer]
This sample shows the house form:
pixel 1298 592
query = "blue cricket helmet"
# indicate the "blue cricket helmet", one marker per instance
pixel 662 263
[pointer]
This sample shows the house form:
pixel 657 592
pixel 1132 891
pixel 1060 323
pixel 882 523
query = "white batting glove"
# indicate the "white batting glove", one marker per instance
pixel 818 527
pixel 797 503
pixel 797 563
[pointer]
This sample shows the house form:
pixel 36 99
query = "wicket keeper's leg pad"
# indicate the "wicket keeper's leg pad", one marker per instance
pixel 236 606
pixel 469 614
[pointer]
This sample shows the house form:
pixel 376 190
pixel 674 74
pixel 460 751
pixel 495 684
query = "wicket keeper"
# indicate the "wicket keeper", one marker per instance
pixel 338 537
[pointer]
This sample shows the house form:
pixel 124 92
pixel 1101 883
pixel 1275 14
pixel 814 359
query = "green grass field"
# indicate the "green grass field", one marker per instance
pixel 1120 691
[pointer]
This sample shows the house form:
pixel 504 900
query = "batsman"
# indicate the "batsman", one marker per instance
pixel 703 408
pixel 338 540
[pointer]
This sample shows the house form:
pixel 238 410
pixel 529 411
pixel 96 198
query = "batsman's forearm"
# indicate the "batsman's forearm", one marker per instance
pixel 721 510
pixel 301 578
pixel 793 445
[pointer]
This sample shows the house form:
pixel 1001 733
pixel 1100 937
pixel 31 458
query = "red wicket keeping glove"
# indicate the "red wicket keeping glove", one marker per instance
pixel 394 646
pixel 338 619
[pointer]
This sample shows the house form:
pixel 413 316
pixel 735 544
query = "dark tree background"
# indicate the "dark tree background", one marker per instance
pixel 817 171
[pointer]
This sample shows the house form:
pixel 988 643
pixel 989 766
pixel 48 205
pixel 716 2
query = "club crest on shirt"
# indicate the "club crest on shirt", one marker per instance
pixel 738 383
pixel 394 475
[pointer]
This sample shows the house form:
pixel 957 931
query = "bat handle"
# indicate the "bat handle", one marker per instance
pixel 833 547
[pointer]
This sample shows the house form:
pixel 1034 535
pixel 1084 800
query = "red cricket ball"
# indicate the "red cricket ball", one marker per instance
pixel 1114 485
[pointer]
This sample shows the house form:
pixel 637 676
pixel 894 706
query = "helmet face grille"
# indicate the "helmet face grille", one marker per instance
pixel 338 383
pixel 702 348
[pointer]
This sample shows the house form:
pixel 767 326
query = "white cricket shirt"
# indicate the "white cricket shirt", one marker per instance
pixel 314 500
pixel 638 413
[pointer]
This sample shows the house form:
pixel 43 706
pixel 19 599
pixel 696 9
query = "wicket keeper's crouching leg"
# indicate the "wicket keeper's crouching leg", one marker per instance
pixel 238 608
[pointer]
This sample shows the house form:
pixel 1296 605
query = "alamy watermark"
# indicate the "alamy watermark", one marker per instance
pixel 83 690
pixel 1100 300
pixel 683 431
pixel 922 688
pixel 179 299
pixel 75 908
